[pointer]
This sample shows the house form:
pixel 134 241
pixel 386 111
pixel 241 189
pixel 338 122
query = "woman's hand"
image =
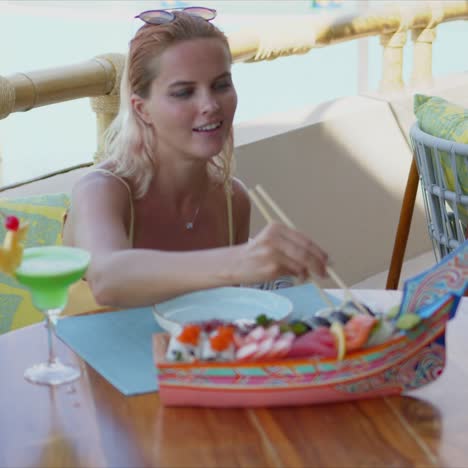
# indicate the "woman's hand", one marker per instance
pixel 276 251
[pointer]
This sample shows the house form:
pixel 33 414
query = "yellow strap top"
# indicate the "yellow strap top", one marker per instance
pixel 227 191
pixel 80 297
pixel 131 228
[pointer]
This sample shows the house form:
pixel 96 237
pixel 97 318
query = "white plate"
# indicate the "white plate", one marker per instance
pixel 229 304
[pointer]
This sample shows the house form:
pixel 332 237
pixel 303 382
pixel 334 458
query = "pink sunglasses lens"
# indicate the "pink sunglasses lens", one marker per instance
pixel 206 13
pixel 156 16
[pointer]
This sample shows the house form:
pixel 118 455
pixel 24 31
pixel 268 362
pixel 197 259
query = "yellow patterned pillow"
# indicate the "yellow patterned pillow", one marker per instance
pixel 44 214
pixel 443 119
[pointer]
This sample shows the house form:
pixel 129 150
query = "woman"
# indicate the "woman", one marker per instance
pixel 164 215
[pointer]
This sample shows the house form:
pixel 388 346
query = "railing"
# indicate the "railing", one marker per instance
pixel 99 78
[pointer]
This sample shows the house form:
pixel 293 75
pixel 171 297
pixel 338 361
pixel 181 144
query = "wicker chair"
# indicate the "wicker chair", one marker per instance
pixel 444 191
pixel 437 164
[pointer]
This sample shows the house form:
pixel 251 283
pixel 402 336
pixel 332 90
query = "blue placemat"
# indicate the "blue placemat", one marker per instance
pixel 118 344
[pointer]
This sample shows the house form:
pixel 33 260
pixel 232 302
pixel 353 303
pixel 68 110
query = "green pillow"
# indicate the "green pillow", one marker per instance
pixel 443 119
pixel 44 213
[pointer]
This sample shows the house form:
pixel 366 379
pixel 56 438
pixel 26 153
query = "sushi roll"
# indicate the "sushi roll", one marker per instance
pixel 186 346
pixel 219 345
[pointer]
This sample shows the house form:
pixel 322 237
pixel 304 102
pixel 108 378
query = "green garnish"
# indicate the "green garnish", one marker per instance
pixel 408 321
pixel 298 328
pixel 263 320
pixel 392 312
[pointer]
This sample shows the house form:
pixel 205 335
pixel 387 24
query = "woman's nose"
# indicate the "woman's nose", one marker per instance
pixel 210 104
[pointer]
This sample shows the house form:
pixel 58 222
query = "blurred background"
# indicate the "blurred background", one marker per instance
pixel 42 34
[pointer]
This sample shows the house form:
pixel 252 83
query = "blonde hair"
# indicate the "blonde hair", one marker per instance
pixel 128 140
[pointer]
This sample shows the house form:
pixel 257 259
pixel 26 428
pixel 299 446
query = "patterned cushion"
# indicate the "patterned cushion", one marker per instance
pixel 444 119
pixel 44 214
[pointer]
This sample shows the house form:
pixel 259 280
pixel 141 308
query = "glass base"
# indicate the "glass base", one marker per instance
pixel 55 373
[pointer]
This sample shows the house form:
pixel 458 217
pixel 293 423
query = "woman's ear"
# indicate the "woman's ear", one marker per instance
pixel 139 106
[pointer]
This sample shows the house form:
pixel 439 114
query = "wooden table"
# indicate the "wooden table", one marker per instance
pixel 89 423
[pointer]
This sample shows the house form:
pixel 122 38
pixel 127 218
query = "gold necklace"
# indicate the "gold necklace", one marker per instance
pixel 189 225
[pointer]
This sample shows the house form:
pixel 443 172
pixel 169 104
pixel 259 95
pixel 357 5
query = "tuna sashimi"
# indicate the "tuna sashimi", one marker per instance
pixel 318 342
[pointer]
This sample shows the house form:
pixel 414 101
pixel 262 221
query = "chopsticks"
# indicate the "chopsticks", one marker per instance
pixel 268 218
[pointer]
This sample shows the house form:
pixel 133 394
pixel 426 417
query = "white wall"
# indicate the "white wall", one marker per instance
pixel 340 175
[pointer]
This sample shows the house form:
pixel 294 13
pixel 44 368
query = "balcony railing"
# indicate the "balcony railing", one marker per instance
pixel 99 78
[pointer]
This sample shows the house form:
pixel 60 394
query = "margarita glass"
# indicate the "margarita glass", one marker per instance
pixel 48 272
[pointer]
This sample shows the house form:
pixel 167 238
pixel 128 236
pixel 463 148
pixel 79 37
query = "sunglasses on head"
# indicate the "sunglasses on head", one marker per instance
pixel 166 16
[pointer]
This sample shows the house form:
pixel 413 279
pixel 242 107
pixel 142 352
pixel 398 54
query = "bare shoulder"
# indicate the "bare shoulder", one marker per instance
pixel 97 199
pixel 101 183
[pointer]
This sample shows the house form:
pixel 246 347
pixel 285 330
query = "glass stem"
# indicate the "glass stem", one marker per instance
pixel 52 356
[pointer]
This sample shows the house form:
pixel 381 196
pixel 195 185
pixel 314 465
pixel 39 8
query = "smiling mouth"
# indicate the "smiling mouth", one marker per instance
pixel 209 127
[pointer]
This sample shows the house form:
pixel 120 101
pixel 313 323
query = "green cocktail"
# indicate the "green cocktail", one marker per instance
pixel 48 272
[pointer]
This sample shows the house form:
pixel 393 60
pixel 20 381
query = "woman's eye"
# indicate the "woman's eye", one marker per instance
pixel 182 93
pixel 223 85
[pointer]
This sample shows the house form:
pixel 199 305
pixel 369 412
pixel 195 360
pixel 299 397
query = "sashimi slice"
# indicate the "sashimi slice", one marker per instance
pixel 318 342
pixel 247 351
pixel 357 331
pixel 264 347
pixel 282 345
pixel 256 335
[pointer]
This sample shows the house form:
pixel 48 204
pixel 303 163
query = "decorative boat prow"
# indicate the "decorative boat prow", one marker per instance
pixel 406 361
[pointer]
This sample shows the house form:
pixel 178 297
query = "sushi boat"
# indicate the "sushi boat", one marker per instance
pixel 404 362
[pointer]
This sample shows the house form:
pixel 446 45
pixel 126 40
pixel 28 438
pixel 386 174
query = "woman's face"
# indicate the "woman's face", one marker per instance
pixel 192 101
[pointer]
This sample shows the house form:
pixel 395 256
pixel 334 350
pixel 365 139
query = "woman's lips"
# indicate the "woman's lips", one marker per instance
pixel 208 127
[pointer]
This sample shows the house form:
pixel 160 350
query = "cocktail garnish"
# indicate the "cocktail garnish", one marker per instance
pixel 11 253
pixel 12 223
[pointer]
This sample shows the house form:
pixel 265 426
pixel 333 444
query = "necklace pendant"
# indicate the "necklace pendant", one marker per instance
pixel 189 226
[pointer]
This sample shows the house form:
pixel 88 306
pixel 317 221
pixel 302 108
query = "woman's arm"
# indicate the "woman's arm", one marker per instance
pixel 124 277
pixel 135 277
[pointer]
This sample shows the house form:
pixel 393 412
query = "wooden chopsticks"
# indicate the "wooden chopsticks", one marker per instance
pixel 268 218
pixel 280 213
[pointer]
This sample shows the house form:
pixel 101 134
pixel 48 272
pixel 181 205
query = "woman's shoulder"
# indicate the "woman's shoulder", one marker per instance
pixel 97 196
pixel 101 182
pixel 100 194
